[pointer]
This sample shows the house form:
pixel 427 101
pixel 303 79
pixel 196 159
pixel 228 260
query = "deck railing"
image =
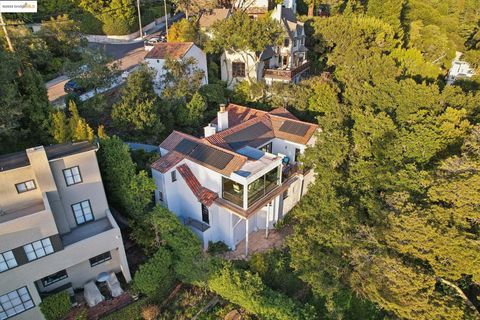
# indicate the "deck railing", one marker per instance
pixel 286 74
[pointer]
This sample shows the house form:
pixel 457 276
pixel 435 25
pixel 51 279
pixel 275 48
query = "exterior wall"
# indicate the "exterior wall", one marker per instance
pixel 251 70
pixel 91 187
pixel 286 148
pixel 46 221
pixel 194 52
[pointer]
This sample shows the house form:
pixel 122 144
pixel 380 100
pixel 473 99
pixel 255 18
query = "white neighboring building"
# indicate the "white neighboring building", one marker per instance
pixel 459 70
pixel 242 177
pixel 157 56
pixel 284 63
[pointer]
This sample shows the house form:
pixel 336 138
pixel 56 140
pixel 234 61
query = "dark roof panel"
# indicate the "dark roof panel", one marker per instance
pixel 66 149
pixel 186 146
pixel 211 156
pixel 296 128
pixel 247 135
pixel 14 160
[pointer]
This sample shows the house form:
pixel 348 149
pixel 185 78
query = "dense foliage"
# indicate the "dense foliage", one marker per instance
pixel 56 306
pixel 155 278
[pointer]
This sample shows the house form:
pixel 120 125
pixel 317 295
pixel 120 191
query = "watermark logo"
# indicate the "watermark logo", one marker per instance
pixel 18 6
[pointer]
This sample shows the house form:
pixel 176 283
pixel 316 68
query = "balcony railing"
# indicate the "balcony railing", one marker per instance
pixel 286 74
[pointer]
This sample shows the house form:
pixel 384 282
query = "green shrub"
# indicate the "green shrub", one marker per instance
pixel 131 312
pixel 56 306
pixel 155 278
pixel 218 247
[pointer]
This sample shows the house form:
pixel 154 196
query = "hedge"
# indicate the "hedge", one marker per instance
pixel 56 306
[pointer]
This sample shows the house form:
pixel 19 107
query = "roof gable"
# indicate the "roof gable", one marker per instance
pixel 172 50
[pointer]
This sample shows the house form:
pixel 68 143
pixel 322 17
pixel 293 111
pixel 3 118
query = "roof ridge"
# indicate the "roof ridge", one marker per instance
pixel 291 119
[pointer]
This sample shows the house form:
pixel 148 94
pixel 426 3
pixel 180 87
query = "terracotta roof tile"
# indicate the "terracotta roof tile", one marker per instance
pixel 208 18
pixel 204 195
pixel 277 123
pixel 238 114
pixel 283 112
pixel 168 161
pixel 172 50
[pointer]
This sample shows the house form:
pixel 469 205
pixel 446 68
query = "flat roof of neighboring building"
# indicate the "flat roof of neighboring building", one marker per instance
pixel 56 151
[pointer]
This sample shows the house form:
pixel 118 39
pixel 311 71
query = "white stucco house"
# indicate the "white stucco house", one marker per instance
pixel 158 55
pixel 242 176
pixel 459 70
pixel 285 63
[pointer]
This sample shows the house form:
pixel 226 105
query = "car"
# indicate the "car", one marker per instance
pixel 154 40
pixel 72 87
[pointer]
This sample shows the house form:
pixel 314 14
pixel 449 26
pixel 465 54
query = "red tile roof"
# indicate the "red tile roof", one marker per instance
pixel 209 17
pixel 240 117
pixel 204 195
pixel 172 50
pixel 168 161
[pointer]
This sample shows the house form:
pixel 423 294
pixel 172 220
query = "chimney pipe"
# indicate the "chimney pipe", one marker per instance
pixel 222 118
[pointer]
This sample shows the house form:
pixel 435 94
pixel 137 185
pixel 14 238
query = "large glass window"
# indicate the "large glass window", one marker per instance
pixel 82 211
pixel 58 276
pixel 101 258
pixel 263 185
pixel 7 261
pixel 72 175
pixel 233 192
pixel 15 302
pixel 38 249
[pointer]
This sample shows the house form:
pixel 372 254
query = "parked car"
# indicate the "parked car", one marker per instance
pixel 72 87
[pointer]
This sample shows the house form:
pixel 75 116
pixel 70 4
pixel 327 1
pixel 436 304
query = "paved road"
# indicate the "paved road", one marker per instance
pixel 127 54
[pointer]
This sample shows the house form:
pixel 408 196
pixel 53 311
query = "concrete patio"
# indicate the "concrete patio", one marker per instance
pixel 258 243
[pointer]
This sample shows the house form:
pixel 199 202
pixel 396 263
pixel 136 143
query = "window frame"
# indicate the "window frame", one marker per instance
pixel 5 260
pixel 160 196
pixel 32 244
pixel 63 277
pixel 20 297
pixel 74 182
pixel 101 260
pixel 238 69
pixel 173 175
pixel 286 42
pixel 83 213
pixel 207 211
pixel 298 153
pixel 26 188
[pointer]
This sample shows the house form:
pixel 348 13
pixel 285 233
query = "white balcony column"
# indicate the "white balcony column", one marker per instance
pixel 246 238
pixel 267 217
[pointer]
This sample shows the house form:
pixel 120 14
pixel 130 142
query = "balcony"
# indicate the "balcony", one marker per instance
pixel 286 74
pixel 89 230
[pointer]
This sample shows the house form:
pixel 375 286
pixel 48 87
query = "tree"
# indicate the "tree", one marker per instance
pixel 182 79
pixel 138 112
pixel 184 31
pixel 245 36
pixel 247 290
pixel 155 277
pixel 193 6
pixel 93 71
pixel 62 36
pixel 73 128
pixel 191 115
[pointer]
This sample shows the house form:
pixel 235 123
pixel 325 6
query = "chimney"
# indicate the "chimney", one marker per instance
pixel 222 118
pixel 277 14
pixel 209 130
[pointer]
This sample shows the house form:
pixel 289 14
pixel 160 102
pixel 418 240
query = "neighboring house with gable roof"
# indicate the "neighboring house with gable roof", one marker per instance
pixel 158 55
pixel 209 17
pixel 284 63
pixel 241 177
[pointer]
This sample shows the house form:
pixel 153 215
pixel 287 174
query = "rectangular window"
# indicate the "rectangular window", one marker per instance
pixel 297 154
pixel 286 42
pixel 51 279
pixel 238 69
pixel 82 211
pixel 174 176
pixel 232 191
pixel 15 302
pixel 25 186
pixel 262 186
pixel 101 258
pixel 160 196
pixel 7 261
pixel 267 148
pixel 38 249
pixel 205 214
pixel 285 194
pixel 72 175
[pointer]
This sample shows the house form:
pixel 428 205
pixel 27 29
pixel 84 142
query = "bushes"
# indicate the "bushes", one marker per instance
pixel 150 312
pixel 56 306
pixel 156 277
pixel 218 247
pixel 131 312
pixel 247 290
